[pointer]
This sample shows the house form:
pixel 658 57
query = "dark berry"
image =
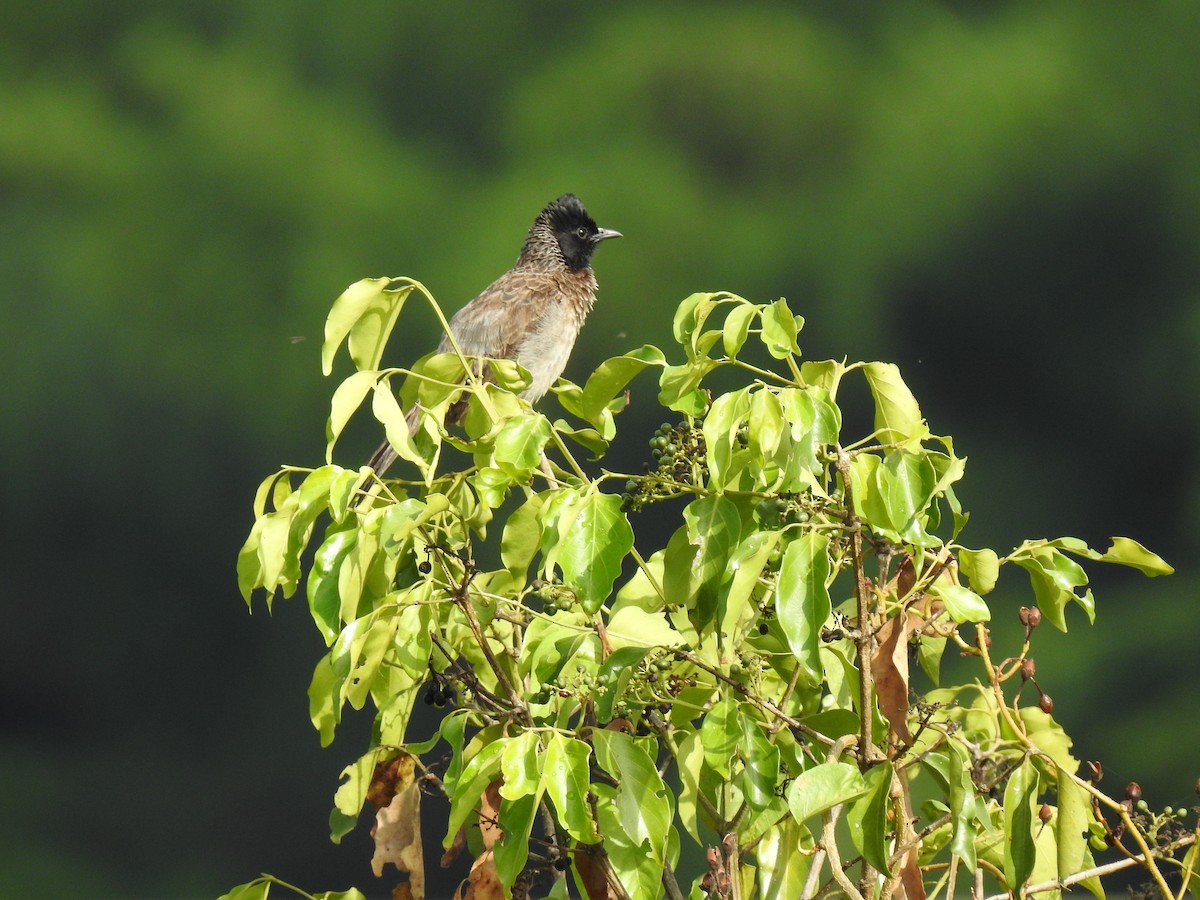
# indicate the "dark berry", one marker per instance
pixel 1046 703
pixel 424 568
pixel 1133 791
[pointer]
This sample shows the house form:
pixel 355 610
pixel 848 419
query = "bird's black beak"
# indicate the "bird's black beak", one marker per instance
pixel 603 234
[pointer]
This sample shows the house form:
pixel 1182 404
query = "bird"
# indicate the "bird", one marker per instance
pixel 533 312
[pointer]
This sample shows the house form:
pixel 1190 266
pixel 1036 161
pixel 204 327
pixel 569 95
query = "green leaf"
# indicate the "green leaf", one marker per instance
pixel 522 535
pixel 478 773
pixel 519 766
pixel 823 787
pixel 779 330
pixel 678 386
pixel 251 890
pixel 697 556
pixel 594 546
pixel 782 870
pixel 720 733
pixel 512 853
pixel 1048 736
pixel 897 414
pixel 387 411
pixel 610 379
pixel 690 315
pixel 366 311
pixel 346 400
pixel 962 799
pixel 1071 827
pixel 1128 552
pixel 520 442
pixel 1054 578
pixel 746 565
pixel 765 424
pixel 982 568
pixel 802 600
pixel 249 564
pixel 632 626
pixel 350 796
pixel 737 327
pixel 867 817
pixel 725 418
pixel 962 604
pixel 1019 849
pixel 642 805
pixel 760 761
pixel 902 488
pixel 565 772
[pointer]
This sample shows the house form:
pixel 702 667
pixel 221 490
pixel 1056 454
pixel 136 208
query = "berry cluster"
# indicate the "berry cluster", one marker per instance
pixel 553 597
pixel 784 509
pixel 678 452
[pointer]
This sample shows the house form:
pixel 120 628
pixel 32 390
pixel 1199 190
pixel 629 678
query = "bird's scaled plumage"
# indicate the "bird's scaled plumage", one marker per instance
pixel 534 311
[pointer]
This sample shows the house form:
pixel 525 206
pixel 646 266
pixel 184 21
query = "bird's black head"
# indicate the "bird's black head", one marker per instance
pixel 575 231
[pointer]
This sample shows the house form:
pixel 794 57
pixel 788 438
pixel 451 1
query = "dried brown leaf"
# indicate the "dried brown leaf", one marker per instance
pixel 889 667
pixel 484 881
pixel 397 835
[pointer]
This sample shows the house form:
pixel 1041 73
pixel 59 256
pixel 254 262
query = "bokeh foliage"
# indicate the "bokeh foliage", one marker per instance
pixel 1002 197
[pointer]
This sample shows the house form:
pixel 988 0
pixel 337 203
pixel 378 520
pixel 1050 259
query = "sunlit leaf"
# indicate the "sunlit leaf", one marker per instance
pixel 779 330
pixel 962 798
pixel 760 761
pixel 594 546
pixel 610 378
pixel 565 771
pixel 982 568
pixel 642 805
pixel 720 732
pixel 897 414
pixel 1129 552
pixel 519 444
pixel 737 327
pixel 1019 849
pixel 962 604
pixel 823 787
pixel 519 766
pixel 1071 827
pixel 866 817
pixel 366 312
pixel 802 601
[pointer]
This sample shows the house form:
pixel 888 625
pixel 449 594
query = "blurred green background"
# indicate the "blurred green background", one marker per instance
pixel 1002 197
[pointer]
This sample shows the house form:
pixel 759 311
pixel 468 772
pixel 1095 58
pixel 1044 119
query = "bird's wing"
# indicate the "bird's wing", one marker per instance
pixel 496 322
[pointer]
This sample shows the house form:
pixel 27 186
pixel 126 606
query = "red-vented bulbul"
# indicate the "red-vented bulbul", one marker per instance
pixel 533 312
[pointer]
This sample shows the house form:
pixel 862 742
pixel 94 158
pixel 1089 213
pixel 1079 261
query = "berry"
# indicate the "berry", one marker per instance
pixel 1046 704
pixel 1133 791
pixel 763 628
pixel 562 864
pixel 424 568
pixel 1028 669
pixel 1045 813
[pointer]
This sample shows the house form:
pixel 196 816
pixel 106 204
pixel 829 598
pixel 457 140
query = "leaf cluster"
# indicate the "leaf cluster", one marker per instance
pixel 742 683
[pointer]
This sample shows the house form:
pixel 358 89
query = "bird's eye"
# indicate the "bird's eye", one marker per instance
pixel 581 231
